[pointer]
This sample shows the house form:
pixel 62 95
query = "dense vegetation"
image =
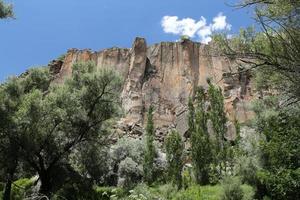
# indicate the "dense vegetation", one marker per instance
pixel 6 10
pixel 55 139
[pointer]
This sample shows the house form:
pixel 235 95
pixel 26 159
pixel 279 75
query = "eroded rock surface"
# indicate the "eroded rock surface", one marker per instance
pixel 165 75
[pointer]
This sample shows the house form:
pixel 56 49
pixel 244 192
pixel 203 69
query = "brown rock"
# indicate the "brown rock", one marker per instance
pixel 165 75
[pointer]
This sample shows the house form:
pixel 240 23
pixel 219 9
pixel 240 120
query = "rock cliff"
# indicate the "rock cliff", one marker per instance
pixel 165 75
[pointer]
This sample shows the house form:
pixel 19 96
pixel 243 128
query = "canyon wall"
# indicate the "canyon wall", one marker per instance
pixel 165 75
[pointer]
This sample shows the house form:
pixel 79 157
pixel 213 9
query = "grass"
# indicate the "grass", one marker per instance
pixel 194 192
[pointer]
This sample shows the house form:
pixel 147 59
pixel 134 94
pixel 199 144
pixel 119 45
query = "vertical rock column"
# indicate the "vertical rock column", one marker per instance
pixel 132 93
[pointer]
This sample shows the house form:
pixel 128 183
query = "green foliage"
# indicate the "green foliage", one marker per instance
pixel 271 50
pixel 223 152
pixel 187 178
pixel 281 183
pixel 6 10
pixel 197 192
pixel 248 156
pixel 184 37
pixel 108 193
pixel 150 152
pixel 174 149
pixel 128 147
pixel 142 192
pixel 20 188
pixel 247 169
pixel 281 147
pixel 13 95
pixel 279 176
pixel 129 173
pixel 217 115
pixel 200 142
pixel 168 191
pixel 50 122
pixel 232 189
pixel 61 57
pixel 102 163
pixel 280 150
pixel 93 160
pixel 77 191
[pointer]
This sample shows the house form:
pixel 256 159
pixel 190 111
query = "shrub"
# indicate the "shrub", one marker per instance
pixel 284 184
pixel 184 38
pixel 75 190
pixel 248 191
pixel 108 193
pixel 246 168
pixel 189 194
pixel 142 192
pixel 129 173
pixel 186 178
pixel 232 189
pixel 20 188
pixel 125 148
pixel 166 191
pixel 128 147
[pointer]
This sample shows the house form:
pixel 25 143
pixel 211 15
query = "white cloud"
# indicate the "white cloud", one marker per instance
pixel 204 34
pixel 193 28
pixel 219 23
pixel 186 26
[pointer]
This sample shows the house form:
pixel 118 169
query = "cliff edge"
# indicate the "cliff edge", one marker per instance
pixel 166 75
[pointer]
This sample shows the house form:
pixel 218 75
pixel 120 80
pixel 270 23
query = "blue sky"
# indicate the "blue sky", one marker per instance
pixel 45 29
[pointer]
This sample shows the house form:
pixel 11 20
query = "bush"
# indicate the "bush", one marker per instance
pixel 125 148
pixel 232 189
pixel 248 157
pixel 108 193
pixel 247 169
pixel 284 184
pixel 184 38
pixel 20 188
pixel 187 178
pixel 77 191
pixel 248 191
pixel 128 147
pixel 166 191
pixel 129 173
pixel 142 192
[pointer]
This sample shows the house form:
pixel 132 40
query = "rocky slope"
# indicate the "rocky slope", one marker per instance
pixel 165 75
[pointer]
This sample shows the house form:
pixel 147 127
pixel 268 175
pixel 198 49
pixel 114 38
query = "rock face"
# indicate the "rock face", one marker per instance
pixel 165 75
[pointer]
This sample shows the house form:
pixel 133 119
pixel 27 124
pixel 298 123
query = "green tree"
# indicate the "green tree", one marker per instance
pixel 280 176
pixel 12 94
pixel 174 149
pixel 6 10
pixel 150 152
pixel 53 123
pixel 200 142
pixel 274 49
pixel 218 118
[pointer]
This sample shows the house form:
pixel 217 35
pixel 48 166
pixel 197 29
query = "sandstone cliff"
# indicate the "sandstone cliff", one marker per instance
pixel 165 75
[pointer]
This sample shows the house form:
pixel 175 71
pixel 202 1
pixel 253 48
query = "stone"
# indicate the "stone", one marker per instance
pixel 165 75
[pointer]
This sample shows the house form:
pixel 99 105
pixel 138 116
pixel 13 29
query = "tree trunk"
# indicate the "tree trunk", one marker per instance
pixel 7 190
pixel 45 184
